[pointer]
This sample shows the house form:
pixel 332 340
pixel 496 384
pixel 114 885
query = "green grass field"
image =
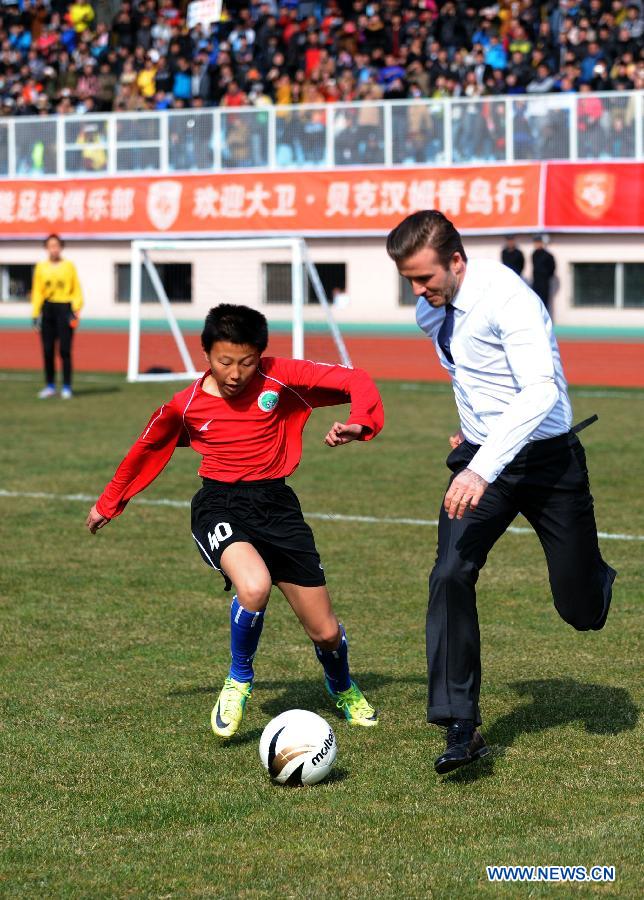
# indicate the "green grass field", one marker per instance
pixel 114 648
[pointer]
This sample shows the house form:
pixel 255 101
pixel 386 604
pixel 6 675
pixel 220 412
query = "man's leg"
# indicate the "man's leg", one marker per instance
pixel 452 629
pixel 563 517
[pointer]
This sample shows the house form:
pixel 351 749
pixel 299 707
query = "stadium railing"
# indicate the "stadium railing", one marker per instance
pixel 588 126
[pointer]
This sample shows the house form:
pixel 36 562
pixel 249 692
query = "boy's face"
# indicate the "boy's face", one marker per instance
pixel 232 366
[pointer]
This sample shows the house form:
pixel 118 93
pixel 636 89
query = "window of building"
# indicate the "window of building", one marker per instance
pixel 634 284
pixel 406 296
pixel 15 283
pixel 618 285
pixel 176 279
pixel 277 282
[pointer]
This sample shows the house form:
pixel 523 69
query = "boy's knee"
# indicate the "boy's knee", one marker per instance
pixel 326 636
pixel 253 594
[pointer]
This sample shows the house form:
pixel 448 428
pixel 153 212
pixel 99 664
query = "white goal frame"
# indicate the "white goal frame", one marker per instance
pixel 301 265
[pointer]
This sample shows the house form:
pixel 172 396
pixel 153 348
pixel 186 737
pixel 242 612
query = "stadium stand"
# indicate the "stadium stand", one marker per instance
pixel 83 57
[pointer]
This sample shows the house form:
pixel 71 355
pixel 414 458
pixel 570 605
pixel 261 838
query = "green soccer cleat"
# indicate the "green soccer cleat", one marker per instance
pixel 354 705
pixel 228 713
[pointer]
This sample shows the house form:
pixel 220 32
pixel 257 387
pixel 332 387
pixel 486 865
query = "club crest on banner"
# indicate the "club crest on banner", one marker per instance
pixel 163 203
pixel 594 193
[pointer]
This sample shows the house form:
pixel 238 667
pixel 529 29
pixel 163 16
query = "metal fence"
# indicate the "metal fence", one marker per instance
pixel 396 133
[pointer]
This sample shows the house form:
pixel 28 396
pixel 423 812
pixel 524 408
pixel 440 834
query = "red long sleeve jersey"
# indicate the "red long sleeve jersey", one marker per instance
pixel 252 437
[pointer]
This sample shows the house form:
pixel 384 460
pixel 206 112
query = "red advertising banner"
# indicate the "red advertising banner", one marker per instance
pixel 595 196
pixel 325 202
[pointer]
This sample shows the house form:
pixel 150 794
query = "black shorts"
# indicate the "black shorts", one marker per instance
pixel 266 514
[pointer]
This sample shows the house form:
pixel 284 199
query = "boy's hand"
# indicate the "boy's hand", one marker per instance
pixel 341 434
pixel 95 520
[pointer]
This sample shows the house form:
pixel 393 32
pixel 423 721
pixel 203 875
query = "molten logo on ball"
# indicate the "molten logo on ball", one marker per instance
pixel 298 747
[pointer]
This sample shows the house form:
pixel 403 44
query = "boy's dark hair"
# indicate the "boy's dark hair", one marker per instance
pixel 235 324
pixel 57 237
pixel 427 228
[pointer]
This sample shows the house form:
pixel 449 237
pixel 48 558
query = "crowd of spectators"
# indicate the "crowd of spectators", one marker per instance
pixel 83 57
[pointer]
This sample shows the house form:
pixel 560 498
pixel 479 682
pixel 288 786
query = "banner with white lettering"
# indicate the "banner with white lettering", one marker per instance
pixel 329 202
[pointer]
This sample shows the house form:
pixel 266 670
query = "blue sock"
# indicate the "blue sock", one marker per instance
pixel 336 664
pixel 245 632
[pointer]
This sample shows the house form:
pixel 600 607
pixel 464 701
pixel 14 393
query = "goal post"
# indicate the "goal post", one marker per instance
pixel 302 268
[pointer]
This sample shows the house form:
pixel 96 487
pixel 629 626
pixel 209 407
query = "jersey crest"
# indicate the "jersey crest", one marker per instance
pixel 268 400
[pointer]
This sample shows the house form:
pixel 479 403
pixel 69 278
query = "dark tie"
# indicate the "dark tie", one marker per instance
pixel 446 331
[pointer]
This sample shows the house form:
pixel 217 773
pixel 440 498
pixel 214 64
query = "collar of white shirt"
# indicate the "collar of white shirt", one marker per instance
pixel 466 295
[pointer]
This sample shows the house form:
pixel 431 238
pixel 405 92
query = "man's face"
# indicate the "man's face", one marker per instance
pixel 232 366
pixel 429 279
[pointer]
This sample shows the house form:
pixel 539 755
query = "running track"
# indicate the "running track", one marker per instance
pixel 410 358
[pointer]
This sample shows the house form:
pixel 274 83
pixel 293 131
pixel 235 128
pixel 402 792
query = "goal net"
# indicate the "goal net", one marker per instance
pixel 173 284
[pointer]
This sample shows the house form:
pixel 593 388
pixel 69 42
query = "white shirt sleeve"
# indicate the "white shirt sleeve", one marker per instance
pixel 519 323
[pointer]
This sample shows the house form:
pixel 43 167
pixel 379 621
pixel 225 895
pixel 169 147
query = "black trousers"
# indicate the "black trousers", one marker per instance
pixel 55 327
pixel 548 483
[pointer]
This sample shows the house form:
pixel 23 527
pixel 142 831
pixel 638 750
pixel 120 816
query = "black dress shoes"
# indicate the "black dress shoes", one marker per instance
pixel 464 745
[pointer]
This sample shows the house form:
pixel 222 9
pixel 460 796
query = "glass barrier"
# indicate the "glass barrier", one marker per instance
pixel 437 132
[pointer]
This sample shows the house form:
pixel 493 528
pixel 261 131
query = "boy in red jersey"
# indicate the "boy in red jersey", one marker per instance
pixel 245 416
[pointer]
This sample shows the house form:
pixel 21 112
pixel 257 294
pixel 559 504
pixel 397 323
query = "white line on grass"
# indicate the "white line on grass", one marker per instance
pixel 78 377
pixel 443 388
pixel 368 520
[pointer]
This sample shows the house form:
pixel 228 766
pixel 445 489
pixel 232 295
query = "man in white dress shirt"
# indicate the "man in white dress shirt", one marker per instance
pixel 515 453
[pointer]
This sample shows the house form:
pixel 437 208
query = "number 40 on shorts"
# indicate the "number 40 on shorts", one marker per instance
pixel 221 532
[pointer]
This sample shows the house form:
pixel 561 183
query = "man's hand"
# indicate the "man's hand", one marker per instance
pixel 455 440
pixel 466 490
pixel 36 323
pixel 342 434
pixel 95 520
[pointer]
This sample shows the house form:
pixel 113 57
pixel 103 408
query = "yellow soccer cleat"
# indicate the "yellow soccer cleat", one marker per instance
pixel 228 713
pixel 355 706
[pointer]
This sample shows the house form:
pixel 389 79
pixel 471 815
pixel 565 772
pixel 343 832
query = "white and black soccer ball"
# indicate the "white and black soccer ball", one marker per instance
pixel 298 747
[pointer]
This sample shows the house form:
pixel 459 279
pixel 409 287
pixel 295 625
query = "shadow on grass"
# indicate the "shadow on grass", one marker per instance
pixel 243 737
pixel 300 690
pixel 555 702
pixel 94 391
pixel 559 701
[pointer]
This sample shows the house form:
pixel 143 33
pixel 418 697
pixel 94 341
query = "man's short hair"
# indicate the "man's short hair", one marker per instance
pixel 56 237
pixel 427 228
pixel 235 324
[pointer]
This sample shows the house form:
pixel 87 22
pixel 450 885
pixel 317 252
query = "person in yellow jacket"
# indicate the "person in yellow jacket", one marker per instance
pixel 81 16
pixel 56 301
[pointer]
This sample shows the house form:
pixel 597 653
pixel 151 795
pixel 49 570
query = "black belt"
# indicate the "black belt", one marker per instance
pixel 586 422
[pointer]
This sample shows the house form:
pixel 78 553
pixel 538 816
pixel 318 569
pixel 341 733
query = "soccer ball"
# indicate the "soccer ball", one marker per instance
pixel 297 747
